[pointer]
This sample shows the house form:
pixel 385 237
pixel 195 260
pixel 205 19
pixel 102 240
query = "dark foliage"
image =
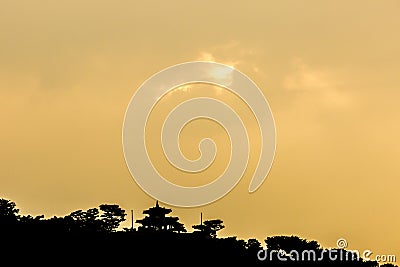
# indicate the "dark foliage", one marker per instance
pixel 91 237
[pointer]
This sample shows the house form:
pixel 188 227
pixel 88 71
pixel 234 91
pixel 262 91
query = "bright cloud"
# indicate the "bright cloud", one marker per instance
pixel 231 53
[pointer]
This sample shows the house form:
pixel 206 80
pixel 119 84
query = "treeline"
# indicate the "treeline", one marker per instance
pixel 93 236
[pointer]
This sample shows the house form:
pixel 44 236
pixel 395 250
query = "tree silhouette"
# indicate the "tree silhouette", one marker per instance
pixel 8 213
pixel 95 232
pixel 111 217
pixel 107 219
pixel 27 222
pixel 88 221
pixel 289 243
pixel 253 244
pixel 175 225
pixel 210 228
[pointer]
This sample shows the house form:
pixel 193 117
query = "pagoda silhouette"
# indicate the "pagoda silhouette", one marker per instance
pixel 156 220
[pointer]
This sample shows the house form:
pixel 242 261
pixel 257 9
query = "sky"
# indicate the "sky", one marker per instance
pixel 329 71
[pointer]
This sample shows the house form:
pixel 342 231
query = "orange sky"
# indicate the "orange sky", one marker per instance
pixel 330 72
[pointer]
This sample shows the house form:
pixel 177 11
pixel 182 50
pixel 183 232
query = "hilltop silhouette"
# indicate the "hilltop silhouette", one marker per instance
pixel 90 237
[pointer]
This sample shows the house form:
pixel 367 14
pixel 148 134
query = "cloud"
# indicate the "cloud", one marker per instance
pixel 206 56
pixel 231 53
pixel 322 85
pixel 303 78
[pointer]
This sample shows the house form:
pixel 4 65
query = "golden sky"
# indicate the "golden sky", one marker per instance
pixel 329 70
